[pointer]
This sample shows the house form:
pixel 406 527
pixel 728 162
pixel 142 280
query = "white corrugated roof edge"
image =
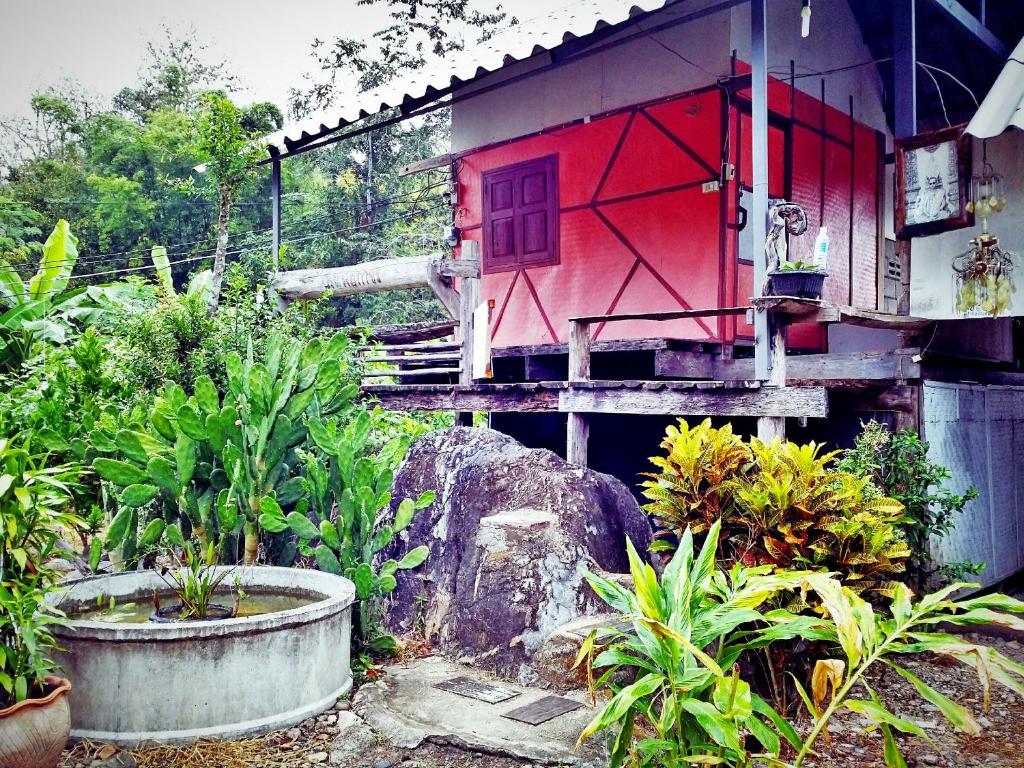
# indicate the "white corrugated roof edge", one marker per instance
pixel 522 41
pixel 1003 107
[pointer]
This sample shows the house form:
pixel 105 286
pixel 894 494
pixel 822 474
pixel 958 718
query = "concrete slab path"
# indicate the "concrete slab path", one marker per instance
pixel 405 708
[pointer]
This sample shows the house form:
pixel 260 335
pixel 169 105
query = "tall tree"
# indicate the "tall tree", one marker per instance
pixel 225 138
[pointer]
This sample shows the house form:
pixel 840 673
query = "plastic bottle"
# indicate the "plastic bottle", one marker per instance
pixel 821 248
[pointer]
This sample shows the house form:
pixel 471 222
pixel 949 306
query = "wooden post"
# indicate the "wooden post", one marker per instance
pixel 469 298
pixel 770 427
pixel 578 425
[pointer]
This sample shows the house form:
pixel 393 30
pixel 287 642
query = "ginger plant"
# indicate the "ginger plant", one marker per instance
pixel 866 638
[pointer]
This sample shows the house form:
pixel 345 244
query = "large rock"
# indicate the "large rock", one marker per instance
pixel 510 535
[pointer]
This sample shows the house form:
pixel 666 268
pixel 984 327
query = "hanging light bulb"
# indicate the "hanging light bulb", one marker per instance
pixel 805 19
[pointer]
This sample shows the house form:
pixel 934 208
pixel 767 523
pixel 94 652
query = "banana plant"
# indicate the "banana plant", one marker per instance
pixel 41 308
pixel 338 520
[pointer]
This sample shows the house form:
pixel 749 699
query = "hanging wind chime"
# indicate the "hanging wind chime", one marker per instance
pixel 983 273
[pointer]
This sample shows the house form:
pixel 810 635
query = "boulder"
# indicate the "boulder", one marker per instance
pixel 510 535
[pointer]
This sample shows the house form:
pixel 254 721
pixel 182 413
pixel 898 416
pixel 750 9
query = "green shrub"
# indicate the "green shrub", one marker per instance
pixel 677 697
pixel 898 464
pixel 780 504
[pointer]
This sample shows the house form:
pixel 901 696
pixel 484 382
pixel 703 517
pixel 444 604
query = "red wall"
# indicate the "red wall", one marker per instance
pixel 638 234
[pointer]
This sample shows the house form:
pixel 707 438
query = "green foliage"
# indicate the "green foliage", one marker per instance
pixel 194 581
pixel 677 696
pixel 898 464
pixel 679 650
pixel 43 309
pixel 780 504
pixel 33 511
pixel 337 522
pixel 866 638
pixel 215 458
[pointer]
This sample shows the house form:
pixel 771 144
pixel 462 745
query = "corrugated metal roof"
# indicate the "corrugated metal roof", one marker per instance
pixel 1004 105
pixel 528 38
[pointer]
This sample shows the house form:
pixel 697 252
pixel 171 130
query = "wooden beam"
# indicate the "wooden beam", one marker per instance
pixel 684 364
pixel 441 397
pixel 411 372
pixel 426 164
pixel 430 357
pixel 370 276
pixel 680 314
pixel 813 311
pixel 577 439
pixel 767 401
pixel 896 365
pixel 405 336
pixel 974 25
pixel 444 289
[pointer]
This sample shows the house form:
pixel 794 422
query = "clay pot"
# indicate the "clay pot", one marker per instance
pixel 33 732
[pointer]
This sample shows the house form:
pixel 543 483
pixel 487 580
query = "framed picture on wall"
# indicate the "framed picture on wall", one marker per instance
pixel 933 177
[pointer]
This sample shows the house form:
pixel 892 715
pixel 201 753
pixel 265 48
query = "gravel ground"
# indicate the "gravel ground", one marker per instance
pixel 1001 745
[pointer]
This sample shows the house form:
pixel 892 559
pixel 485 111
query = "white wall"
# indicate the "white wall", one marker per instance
pixel 644 69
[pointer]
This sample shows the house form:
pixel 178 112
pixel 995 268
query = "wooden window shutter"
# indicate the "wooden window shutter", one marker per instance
pixel 520 215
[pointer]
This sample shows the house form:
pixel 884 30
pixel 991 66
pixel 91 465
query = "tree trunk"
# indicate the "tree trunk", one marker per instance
pixel 219 257
pixel 252 543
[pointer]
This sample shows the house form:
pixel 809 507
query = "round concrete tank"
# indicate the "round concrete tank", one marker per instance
pixel 176 682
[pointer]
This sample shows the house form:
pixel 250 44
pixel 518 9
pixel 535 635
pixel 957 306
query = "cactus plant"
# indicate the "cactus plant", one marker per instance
pixel 211 458
pixel 336 522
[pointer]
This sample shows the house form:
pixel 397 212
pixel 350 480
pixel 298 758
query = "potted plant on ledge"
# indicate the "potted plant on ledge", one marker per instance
pixel 34 715
pixel 801 279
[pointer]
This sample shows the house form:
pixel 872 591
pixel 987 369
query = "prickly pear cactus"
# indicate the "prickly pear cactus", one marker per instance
pixel 204 464
pixel 345 490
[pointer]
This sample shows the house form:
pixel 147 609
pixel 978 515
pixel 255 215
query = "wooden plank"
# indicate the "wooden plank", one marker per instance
pixel 897 365
pixel 809 310
pixel 411 372
pixel 493 398
pixel 426 164
pixel 618 345
pixel 767 401
pixel 685 364
pixel 681 314
pixel 387 349
pixel 397 336
pixel 416 358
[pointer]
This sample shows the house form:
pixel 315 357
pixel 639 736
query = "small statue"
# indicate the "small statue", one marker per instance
pixel 783 216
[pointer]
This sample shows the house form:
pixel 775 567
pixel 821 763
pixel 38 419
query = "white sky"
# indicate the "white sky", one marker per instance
pixel 102 43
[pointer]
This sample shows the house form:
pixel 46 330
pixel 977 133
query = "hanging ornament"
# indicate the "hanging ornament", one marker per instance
pixel 983 276
pixel 987 196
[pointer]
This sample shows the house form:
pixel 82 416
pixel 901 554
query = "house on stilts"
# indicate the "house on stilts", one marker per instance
pixel 617 169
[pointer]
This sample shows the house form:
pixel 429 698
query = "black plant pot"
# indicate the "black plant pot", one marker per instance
pixel 170 614
pixel 801 283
